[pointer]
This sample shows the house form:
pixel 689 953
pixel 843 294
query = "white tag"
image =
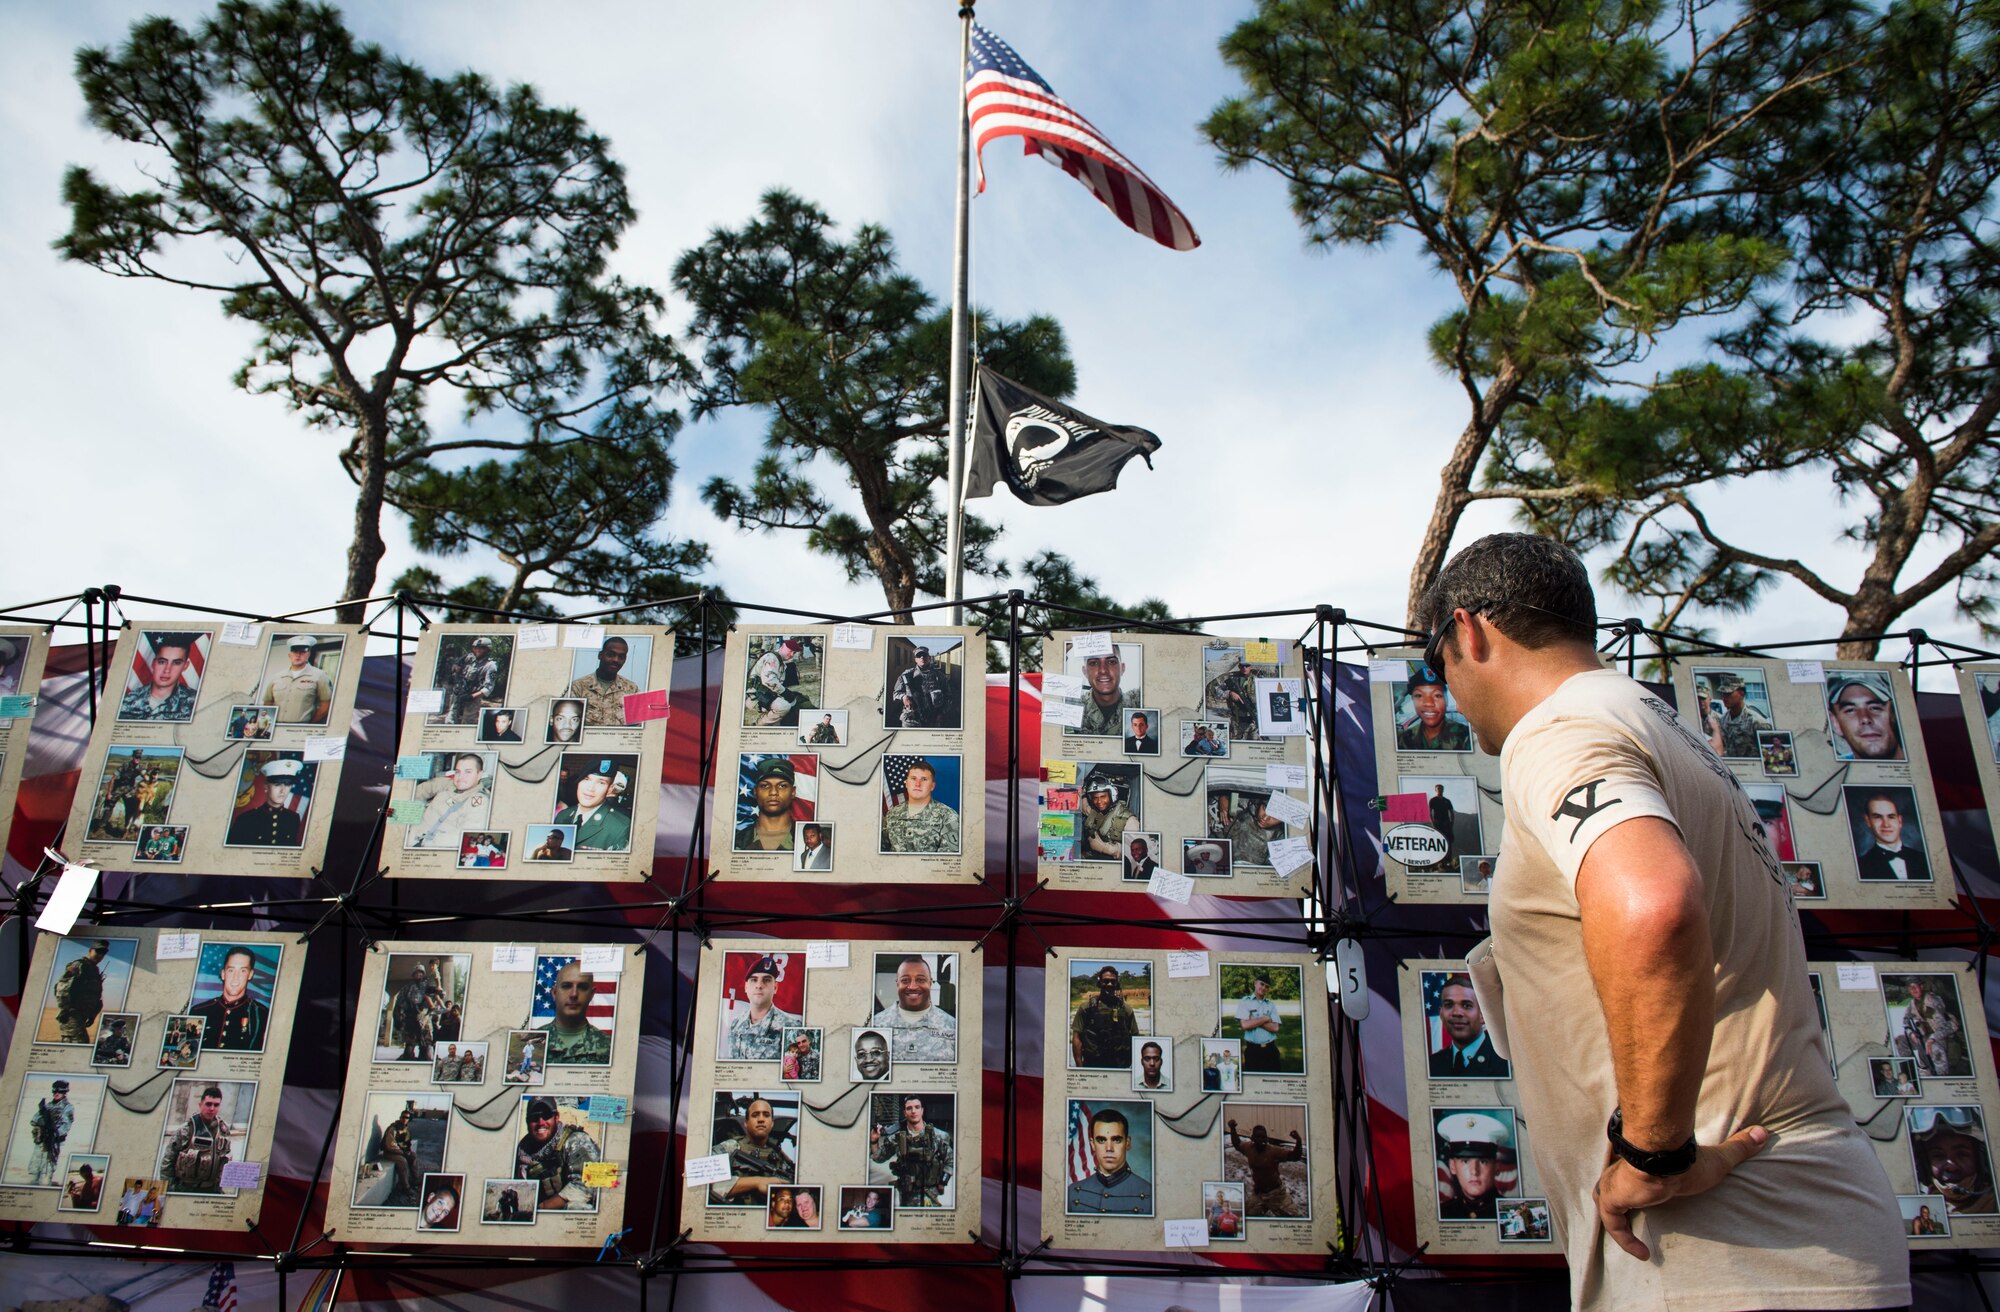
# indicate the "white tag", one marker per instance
pixel 1288 854
pixel 1856 976
pixel 326 747
pixel 603 959
pixel 1388 671
pixel 1805 671
pixel 1062 685
pixel 853 637
pixel 1087 645
pixel 590 636
pixel 1187 965
pixel 242 633
pixel 826 956
pixel 242 1175
pixel 706 1170
pixel 1186 1234
pixel 1285 776
pixel 535 637
pixel 1289 809
pixel 1281 711
pixel 513 958
pixel 1169 886
pixel 176 945
pixel 66 903
pixel 1064 713
pixel 425 701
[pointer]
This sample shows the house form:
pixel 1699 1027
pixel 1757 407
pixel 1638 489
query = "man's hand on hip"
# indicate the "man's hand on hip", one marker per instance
pixel 1624 1189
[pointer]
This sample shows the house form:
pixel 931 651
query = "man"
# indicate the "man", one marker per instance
pixel 509 1205
pixel 1434 728
pixel 920 823
pixel 1101 1032
pixel 757 1162
pixel 499 727
pixel 1467 1053
pixel 453 803
pixel 235 1021
pixel 1152 1067
pixel 1112 1188
pixel 1105 701
pixel 824 732
pixel 1734 732
pixel 817 853
pixel 113 1048
pixel 553 1155
pixel 1258 1016
pixel 774 676
pixel 53 1119
pixel 600 826
pixel 552 848
pixel 565 721
pixel 86 1191
pixel 919 1031
pixel 801 1062
pixel 1229 1071
pixel 868 1214
pixel 1652 966
pixel 773 789
pixel 603 691
pixel 1236 693
pixel 80 994
pixel 120 806
pixel 398 1151
pixel 447 1068
pixel 1207 858
pixel 1863 717
pixel 871 1056
pixel 1888 859
pixel 1470 1144
pixel 474 685
pixel 1949 1145
pixel 1251 830
pixel 164 697
pixel 273 823
pixel 1480 879
pixel 921 697
pixel 199 1150
pixel 530 1064
pixel 758 1035
pixel 918 1154
pixel 1267 1194
pixel 1444 819
pixel 573 1040
pixel 414 1013
pixel 1141 740
pixel 1139 862
pixel 1105 817
pixel 301 691
pixel 1930 1031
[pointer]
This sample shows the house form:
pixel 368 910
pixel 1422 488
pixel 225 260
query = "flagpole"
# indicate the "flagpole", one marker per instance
pixel 954 538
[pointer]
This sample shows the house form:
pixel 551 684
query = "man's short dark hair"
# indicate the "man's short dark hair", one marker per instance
pixel 474 757
pixel 1154 1044
pixel 238 950
pixel 1455 982
pixel 922 764
pixel 1533 589
pixel 185 641
pixel 212 1092
pixel 1883 795
pixel 1111 1116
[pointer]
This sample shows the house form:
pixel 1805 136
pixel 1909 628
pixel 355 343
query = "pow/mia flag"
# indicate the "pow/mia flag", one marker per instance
pixel 1046 452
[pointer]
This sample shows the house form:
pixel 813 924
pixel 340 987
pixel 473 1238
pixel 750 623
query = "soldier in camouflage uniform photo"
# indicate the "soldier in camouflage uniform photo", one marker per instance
pixel 553 1153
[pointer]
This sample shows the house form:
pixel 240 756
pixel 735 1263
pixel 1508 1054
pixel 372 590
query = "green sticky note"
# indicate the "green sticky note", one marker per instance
pixel 406 811
pixel 413 767
pixel 603 1107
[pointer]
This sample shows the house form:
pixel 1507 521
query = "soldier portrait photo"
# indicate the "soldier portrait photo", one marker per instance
pixel 773 792
pixel 403 1139
pixel 165 678
pixel 758 1132
pixel 509 1202
pixel 1733 706
pixel 1478 1153
pixel 825 729
pixel 180 1043
pixel 251 723
pixel 604 677
pixel 1927 1023
pixel 565 726
pixel 916 1005
pixel 459 1061
pixel 443 1208
pixel 1264 1005
pixel 164 844
pixel 56 1115
pixel 458 796
pixel 920 804
pixel 1774 810
pixel 1109 809
pixel 1113 688
pixel 1861 716
pixel 90 976
pixel 1204 738
pixel 1455 1031
pixel 135 788
pixel 556 1141
pixel 1427 716
pixel 527 1057
pixel 762 994
pixel 1264 1145
pixel 208 1127
pixel 784 679
pixel 1229 689
pixel 300 670
pixel 1953 1156
pixel 274 794
pixel 1108 1158
pixel 1452 804
pixel 803 1047
pixel 594 793
pixel 115 1032
pixel 1109 1003
pixel 471 672
pixel 575 1009
pixel 910 1147
pixel 422 993
pixel 1237 800
pixel 925 680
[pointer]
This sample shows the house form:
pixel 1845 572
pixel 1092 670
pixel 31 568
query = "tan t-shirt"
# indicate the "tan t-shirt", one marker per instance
pixel 1811 1221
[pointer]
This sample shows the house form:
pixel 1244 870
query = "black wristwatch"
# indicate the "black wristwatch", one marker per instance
pixel 1674 1161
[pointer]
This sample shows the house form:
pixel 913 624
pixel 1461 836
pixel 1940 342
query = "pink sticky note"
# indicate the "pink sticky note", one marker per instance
pixel 1397 808
pixel 643 706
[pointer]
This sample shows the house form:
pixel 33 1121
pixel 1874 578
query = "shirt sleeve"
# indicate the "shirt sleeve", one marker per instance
pixel 1573 780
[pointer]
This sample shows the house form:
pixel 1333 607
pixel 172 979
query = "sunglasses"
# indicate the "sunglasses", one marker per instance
pixel 1434 649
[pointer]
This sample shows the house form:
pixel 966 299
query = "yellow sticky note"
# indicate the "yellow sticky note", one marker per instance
pixel 1261 652
pixel 600 1175
pixel 1060 772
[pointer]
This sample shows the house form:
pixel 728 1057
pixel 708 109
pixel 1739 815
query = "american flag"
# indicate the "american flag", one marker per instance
pixel 1078 1163
pixel 142 660
pixel 221 1293
pixel 1006 98
pixel 603 1004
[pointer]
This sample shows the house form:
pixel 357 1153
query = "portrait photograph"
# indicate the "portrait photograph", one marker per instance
pixel 116 1032
pixel 915 1000
pixel 1205 857
pixel 565 726
pixel 1221 1065
pixel 194 1148
pixel 1229 688
pixel 593 792
pixel 456 797
pixel 483 849
pixel 794 1208
pixel 1113 687
pixel 1452 804
pixel 550 843
pixel 1109 806
pixel 803 1046
pixel 1924 1216
pixel 1887 834
pixel 444 1202
pixel 1426 714
pixel 758 1130
pixel 812 846
pixel 774 791
pixel 1949 1148
pixel 422 994
pixel 274 797
pixel 472 671
pixel 1774 811
pixel 90 976
pixel 1477 1154
pixel 1781 760
pixel 233 987
pixel 555 1131
pixel 1109 1002
pixel 1264 1006
pixel 527 1057
pixel 1733 704
pixel 1804 881
pixel 1455 1031
pixel 866 1208
pixel 1238 796
pixel 509 1202
pixel 180 1043
pixel 1142 856
pixel 784 678
pixel 161 844
pixel 1204 738
pixel 135 788
pixel 1894 1077
pixel 1142 732
pixel 1152 1064
pixel 925 681
pixel 603 676
pixel 1108 1158
pixel 1861 715
pixel 38 1138
pixel 84 1177
pixel 824 729
pixel 761 994
pixel 403 1139
pixel 869 1061
pixel 499 724
pixel 576 1008
pixel 921 804
pixel 1264 1148
pixel 459 1062
pixel 251 723
pixel 1988 686
pixel 1525 1221
pixel 300 671
pixel 910 1148
pixel 165 678
pixel 142 1202
pixel 1222 1207
pixel 1475 875
pixel 1927 1023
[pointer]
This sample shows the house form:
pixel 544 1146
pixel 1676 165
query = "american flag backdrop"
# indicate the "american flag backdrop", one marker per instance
pixel 1006 98
pixel 1077 1161
pixel 221 1293
pixel 603 1004
pixel 142 659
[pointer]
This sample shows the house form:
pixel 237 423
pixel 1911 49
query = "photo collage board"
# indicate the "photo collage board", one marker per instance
pixel 1832 756
pixel 1429 769
pixel 531 752
pixel 1979 690
pixel 24 649
pixel 1174 753
pixel 836 1092
pixel 852 753
pixel 141 1088
pixel 1182 1087
pixel 217 749
pixel 489 1090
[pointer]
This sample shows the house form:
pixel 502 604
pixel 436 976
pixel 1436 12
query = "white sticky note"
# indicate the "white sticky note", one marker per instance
pixel 853 637
pixel 706 1170
pixel 603 959
pixel 1087 645
pixel 1388 671
pixel 1805 671
pixel 325 747
pixel 826 956
pixel 242 633
pixel 1289 809
pixel 425 701
pixel 1857 976
pixel 1186 1234
pixel 1288 854
pixel 1064 713
pixel 66 903
pixel 176 945
pixel 1285 776
pixel 535 637
pixel 583 635
pixel 1169 886
pixel 513 958
pixel 1062 685
pixel 1187 965
pixel 242 1175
